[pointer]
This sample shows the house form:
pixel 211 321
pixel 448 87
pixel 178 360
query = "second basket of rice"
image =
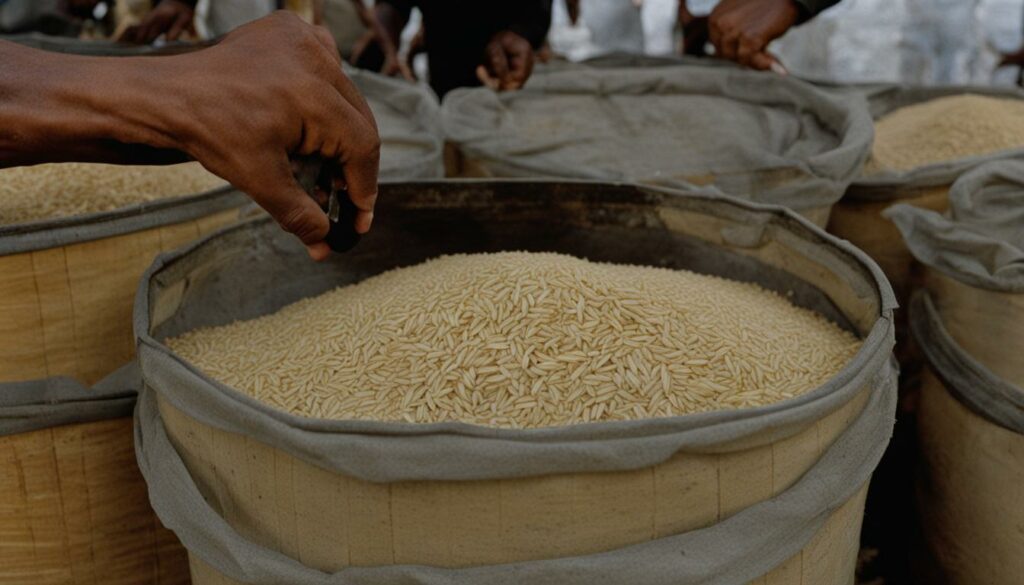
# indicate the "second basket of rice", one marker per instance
pixel 925 138
pixel 74 240
pixel 519 382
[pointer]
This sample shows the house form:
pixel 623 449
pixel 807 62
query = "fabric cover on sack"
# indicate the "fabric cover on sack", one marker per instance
pixel 760 136
pixel 980 239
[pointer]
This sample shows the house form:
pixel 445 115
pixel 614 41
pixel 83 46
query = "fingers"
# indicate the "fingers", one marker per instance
pixel 289 205
pixel 497 62
pixel 747 48
pixel 728 45
pixel 405 67
pixel 519 55
pixel 485 78
pixel 350 138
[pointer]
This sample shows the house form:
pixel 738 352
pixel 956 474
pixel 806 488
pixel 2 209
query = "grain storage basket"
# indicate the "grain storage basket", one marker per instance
pixel 857 217
pixel 769 494
pixel 766 138
pixel 969 323
pixel 973 258
pixel 74 507
pixel 66 284
pixel 971 434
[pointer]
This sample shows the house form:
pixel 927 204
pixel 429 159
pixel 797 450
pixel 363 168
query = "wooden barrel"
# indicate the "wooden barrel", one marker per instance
pixel 275 498
pixel 971 434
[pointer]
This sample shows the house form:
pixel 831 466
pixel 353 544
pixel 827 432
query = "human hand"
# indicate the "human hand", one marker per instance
pixel 508 62
pixel 374 48
pixel 741 30
pixel 241 110
pixel 169 17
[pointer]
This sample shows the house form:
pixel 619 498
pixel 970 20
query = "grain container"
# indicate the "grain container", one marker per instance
pixel 973 263
pixel 74 507
pixel 66 282
pixel 971 433
pixel 772 494
pixel 765 138
pixel 858 215
pixel 968 323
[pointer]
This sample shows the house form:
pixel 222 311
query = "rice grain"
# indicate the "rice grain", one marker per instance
pixel 443 350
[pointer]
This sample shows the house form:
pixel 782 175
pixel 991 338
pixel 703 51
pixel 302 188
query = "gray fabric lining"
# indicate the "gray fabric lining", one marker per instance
pixel 51 233
pixel 408 120
pixel 883 99
pixel 980 239
pixel 51 402
pixel 764 137
pixel 968 380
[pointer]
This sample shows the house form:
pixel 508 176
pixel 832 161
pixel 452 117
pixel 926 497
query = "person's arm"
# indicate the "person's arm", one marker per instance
pixel 237 108
pixel 378 49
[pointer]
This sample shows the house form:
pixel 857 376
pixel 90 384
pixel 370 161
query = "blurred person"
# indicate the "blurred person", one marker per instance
pixel 741 30
pixel 239 109
pixel 467 42
pixel 174 18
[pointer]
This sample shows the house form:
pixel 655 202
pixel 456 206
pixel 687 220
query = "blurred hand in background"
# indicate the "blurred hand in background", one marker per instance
pixel 508 62
pixel 170 18
pixel 741 30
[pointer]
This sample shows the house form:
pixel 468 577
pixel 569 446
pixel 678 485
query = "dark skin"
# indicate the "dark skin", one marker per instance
pixel 377 34
pixel 241 120
pixel 508 62
pixel 741 30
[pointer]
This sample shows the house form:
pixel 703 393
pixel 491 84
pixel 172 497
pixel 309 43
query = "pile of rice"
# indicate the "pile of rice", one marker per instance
pixel 68 189
pixel 525 340
pixel 945 129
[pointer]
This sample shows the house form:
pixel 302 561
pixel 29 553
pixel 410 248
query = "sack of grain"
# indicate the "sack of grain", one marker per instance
pixel 75 508
pixel 970 328
pixel 925 137
pixel 766 138
pixel 408 120
pixel 74 239
pixel 973 257
pixel 261 493
pixel 971 432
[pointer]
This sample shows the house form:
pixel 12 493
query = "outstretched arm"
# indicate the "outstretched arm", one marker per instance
pixel 237 108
